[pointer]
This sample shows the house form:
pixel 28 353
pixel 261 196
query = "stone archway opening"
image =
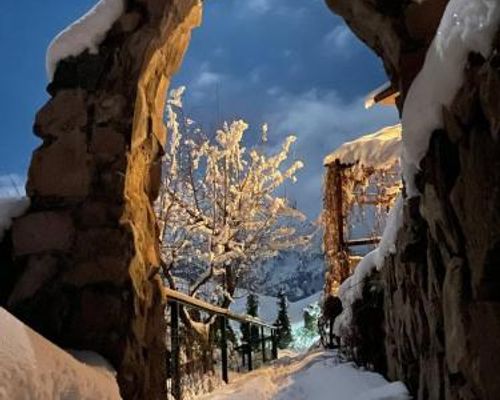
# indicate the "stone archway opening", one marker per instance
pixel 85 255
pixel 86 252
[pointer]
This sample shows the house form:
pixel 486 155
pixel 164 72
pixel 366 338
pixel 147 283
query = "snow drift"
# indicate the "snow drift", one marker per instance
pixel 33 368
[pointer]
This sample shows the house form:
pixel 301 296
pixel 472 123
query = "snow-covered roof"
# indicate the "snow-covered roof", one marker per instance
pixel 379 150
pixel 86 33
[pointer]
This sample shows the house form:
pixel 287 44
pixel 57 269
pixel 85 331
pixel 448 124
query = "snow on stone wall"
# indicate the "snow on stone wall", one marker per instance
pixel 352 288
pixel 466 26
pixel 33 368
pixel 86 33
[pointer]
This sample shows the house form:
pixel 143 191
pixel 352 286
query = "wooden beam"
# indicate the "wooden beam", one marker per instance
pixel 363 242
pixel 339 206
pixel 173 295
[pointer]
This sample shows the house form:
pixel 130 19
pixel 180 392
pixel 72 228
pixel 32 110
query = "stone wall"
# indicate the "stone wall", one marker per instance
pixel 442 300
pixel 85 257
pixel 442 287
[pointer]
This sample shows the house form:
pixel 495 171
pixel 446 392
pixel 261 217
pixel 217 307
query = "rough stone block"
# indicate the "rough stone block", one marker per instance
pixel 102 269
pixel 42 231
pixel 63 114
pixel 61 169
pixel 107 143
pixel 39 270
pixel 99 242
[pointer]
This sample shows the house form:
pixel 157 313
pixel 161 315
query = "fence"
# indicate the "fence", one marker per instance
pixel 176 300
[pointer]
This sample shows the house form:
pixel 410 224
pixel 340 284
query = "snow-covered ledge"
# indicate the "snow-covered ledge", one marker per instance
pixel 467 26
pixel 86 33
pixel 31 367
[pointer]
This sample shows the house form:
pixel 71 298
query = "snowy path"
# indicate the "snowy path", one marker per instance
pixel 314 376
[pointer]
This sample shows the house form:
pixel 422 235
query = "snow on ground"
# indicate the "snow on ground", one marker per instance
pixel 11 207
pixel 380 150
pixel 33 368
pixel 466 26
pixel 313 376
pixel 86 33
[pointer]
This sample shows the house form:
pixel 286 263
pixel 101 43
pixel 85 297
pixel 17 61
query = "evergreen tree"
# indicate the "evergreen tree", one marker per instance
pixel 309 321
pixel 311 316
pixel 284 329
pixel 251 335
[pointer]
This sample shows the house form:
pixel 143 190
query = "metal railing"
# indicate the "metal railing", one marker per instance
pixel 176 300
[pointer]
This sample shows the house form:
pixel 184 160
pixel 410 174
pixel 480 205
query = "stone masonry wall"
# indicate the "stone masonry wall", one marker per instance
pixel 442 300
pixel 442 287
pixel 85 256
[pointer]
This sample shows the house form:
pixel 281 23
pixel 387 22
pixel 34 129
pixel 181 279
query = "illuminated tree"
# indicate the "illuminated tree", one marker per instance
pixel 218 209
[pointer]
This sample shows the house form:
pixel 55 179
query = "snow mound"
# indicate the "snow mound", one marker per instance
pixel 391 391
pixel 86 33
pixel 467 26
pixel 10 208
pixel 33 368
pixel 315 375
pixel 379 150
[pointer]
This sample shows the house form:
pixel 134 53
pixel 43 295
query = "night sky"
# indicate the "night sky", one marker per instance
pixel 290 63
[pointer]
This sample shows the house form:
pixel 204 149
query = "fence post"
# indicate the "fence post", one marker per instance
pixel 249 354
pixel 274 344
pixel 223 339
pixel 331 332
pixel 176 351
pixel 263 344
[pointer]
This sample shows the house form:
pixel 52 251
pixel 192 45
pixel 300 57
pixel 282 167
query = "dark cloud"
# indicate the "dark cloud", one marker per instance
pixel 291 63
pixel 321 122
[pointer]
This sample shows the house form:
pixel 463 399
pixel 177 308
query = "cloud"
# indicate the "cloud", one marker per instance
pixel 258 6
pixel 322 121
pixel 280 8
pixel 339 40
pixel 205 82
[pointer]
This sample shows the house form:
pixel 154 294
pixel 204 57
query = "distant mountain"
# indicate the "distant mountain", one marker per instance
pixel 300 272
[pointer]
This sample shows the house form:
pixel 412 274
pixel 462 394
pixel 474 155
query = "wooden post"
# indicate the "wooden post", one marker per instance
pixel 249 355
pixel 331 332
pixel 223 338
pixel 339 205
pixel 263 344
pixel 274 340
pixel 176 351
